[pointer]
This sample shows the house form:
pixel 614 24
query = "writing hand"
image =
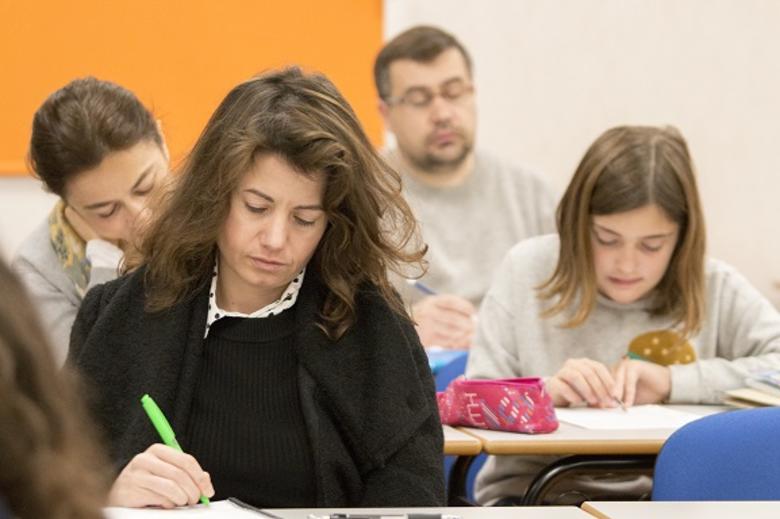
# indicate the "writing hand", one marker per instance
pixel 160 476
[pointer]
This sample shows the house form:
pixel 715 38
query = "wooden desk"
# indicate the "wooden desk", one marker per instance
pixel 592 449
pixel 534 512
pixel 570 439
pixel 459 443
pixel 674 509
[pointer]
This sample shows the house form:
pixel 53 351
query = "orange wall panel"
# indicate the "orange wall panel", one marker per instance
pixel 179 57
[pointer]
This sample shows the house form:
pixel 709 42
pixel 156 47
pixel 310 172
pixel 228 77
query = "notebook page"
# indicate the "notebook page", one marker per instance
pixel 217 509
pixel 635 417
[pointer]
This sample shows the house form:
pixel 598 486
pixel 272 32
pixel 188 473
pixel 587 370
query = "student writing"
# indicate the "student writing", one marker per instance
pixel 626 272
pixel 471 206
pixel 262 320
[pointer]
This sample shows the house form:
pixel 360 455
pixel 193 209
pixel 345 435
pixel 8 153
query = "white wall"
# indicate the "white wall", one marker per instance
pixel 553 74
pixel 23 206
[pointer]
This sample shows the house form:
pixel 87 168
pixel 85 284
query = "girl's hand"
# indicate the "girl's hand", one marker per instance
pixel 160 476
pixel 641 382
pixel 582 381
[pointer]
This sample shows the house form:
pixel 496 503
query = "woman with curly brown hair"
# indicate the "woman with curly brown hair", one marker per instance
pixel 262 321
pixel 50 465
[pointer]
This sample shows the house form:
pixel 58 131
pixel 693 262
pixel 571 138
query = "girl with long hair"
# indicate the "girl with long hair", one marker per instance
pixel 621 305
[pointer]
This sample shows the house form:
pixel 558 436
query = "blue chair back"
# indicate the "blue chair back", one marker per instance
pixel 451 368
pixel 732 456
pixel 447 365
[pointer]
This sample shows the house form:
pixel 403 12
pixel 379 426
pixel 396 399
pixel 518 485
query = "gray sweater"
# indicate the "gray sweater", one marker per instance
pixel 53 292
pixel 740 332
pixel 470 227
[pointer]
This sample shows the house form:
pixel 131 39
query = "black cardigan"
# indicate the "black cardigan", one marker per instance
pixel 368 399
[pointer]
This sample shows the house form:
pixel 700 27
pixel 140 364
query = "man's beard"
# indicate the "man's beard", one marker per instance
pixel 431 163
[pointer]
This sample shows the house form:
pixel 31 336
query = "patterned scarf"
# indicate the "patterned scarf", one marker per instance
pixel 69 248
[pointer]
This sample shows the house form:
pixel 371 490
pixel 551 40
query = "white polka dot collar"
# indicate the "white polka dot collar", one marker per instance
pixel 285 301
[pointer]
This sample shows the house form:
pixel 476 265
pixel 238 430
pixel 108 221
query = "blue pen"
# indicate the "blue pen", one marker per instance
pixel 422 287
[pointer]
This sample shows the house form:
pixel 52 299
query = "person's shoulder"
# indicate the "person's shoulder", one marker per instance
pixel 377 316
pixel 36 259
pixel 723 277
pixel 718 268
pixel 487 161
pixel 36 249
pixel 368 296
pixel 536 251
pixel 521 185
pixel 719 271
pixel 729 289
pixel 529 262
pixel 118 292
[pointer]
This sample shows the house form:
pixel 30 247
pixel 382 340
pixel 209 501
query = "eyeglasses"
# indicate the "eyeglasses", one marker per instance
pixel 455 91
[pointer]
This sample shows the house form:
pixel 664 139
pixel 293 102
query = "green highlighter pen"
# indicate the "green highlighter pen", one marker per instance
pixel 163 428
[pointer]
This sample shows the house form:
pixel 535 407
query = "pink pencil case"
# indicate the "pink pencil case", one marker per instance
pixel 510 404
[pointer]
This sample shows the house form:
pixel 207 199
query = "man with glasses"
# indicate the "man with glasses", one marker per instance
pixel 471 207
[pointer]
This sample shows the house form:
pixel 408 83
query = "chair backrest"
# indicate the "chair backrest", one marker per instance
pixel 450 365
pixel 447 365
pixel 732 456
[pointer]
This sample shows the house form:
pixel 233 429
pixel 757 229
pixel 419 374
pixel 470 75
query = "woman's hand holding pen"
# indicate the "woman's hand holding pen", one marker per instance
pixel 445 320
pixel 582 381
pixel 160 476
pixel 641 382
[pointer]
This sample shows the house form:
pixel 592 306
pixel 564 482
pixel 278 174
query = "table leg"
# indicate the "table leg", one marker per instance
pixel 456 489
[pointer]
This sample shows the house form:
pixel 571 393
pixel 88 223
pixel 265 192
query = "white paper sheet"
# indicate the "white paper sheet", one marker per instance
pixel 635 417
pixel 221 509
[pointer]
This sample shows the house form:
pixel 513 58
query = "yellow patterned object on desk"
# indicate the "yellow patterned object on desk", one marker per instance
pixel 663 347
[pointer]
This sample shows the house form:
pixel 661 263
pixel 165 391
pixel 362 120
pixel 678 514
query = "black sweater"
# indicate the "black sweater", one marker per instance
pixel 246 424
pixel 368 399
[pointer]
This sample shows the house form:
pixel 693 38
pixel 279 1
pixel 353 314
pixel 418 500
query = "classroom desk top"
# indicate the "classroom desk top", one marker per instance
pixel 571 439
pixel 458 443
pixel 473 512
pixel 670 509
pixel 224 510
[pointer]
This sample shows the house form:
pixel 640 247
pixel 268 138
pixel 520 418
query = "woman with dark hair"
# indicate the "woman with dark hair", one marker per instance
pixel 261 319
pixel 50 464
pixel 100 150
